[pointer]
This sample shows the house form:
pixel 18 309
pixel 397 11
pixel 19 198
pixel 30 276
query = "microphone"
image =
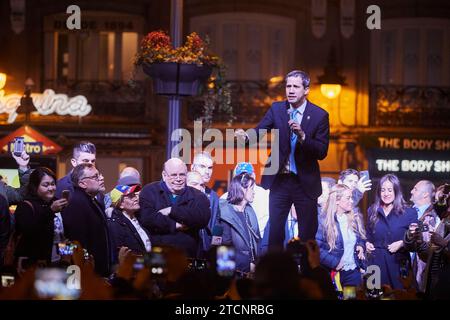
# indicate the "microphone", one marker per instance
pixel 289 112
pixel 217 233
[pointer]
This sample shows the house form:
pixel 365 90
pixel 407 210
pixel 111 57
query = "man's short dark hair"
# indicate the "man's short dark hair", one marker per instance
pixel 344 174
pixel 78 173
pixel 83 146
pixel 306 80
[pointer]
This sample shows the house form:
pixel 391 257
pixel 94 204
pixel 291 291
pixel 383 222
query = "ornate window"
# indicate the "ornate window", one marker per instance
pixel 102 51
pixel 412 52
pixel 253 46
pixel 410 73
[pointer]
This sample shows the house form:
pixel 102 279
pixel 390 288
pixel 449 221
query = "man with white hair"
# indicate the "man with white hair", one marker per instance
pixel 203 164
pixel 195 180
pixel 173 212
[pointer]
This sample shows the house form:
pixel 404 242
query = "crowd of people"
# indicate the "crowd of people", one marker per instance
pixel 298 235
pixel 182 218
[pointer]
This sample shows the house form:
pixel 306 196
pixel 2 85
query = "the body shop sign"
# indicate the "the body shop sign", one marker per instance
pixel 35 143
pixel 408 156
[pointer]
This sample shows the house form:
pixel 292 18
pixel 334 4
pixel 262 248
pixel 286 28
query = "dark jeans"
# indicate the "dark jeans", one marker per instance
pixel 285 191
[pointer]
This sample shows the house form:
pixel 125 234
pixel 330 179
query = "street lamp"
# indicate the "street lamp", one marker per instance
pixel 331 81
pixel 3 78
pixel 26 102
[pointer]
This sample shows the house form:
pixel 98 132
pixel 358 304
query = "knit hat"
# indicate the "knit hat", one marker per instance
pixel 122 190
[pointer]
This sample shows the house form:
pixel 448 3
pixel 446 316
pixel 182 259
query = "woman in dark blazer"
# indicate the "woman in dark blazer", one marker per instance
pixel 389 219
pixel 124 227
pixel 240 225
pixel 34 226
pixel 341 238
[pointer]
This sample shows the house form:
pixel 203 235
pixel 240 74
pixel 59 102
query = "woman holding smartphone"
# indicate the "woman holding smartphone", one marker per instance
pixel 389 219
pixel 34 227
pixel 240 225
pixel 341 238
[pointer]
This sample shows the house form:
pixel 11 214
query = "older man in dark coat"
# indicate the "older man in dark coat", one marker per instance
pixel 173 212
pixel 84 219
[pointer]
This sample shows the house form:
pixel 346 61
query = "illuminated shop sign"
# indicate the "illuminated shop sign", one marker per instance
pixel 414 144
pixel 35 143
pixel 408 156
pixel 47 103
pixel 412 165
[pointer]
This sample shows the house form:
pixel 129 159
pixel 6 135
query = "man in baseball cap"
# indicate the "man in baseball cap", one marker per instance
pixel 122 190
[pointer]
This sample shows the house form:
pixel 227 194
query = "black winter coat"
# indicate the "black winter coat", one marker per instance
pixel 35 227
pixel 191 209
pixel 85 221
pixel 124 234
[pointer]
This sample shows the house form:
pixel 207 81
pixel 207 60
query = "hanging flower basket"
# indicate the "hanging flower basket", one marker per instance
pixel 177 79
pixel 185 71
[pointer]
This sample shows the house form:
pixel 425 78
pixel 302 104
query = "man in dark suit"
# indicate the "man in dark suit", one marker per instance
pixel 303 136
pixel 84 219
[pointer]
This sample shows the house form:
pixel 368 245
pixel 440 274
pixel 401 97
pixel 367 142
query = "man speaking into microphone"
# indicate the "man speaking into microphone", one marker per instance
pixel 303 130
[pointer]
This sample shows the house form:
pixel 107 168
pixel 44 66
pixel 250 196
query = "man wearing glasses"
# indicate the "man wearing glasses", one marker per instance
pixel 173 212
pixel 84 219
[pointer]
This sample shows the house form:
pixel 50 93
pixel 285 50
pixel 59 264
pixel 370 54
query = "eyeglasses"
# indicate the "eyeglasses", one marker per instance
pixel 96 177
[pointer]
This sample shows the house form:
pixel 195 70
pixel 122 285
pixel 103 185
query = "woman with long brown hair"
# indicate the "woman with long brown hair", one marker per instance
pixel 389 219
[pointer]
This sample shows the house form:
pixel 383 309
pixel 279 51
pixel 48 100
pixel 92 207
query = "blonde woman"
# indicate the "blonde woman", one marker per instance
pixel 341 238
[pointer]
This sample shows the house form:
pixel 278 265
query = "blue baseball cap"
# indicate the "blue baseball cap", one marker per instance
pixel 242 167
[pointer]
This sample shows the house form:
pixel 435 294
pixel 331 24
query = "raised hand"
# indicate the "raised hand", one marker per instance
pixel 364 184
pixel 22 161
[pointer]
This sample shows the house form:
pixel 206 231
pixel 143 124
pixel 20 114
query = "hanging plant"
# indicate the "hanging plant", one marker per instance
pixel 156 48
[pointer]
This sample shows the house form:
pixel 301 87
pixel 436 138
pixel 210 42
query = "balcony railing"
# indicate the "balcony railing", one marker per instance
pixel 410 106
pixel 106 98
pixel 250 101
